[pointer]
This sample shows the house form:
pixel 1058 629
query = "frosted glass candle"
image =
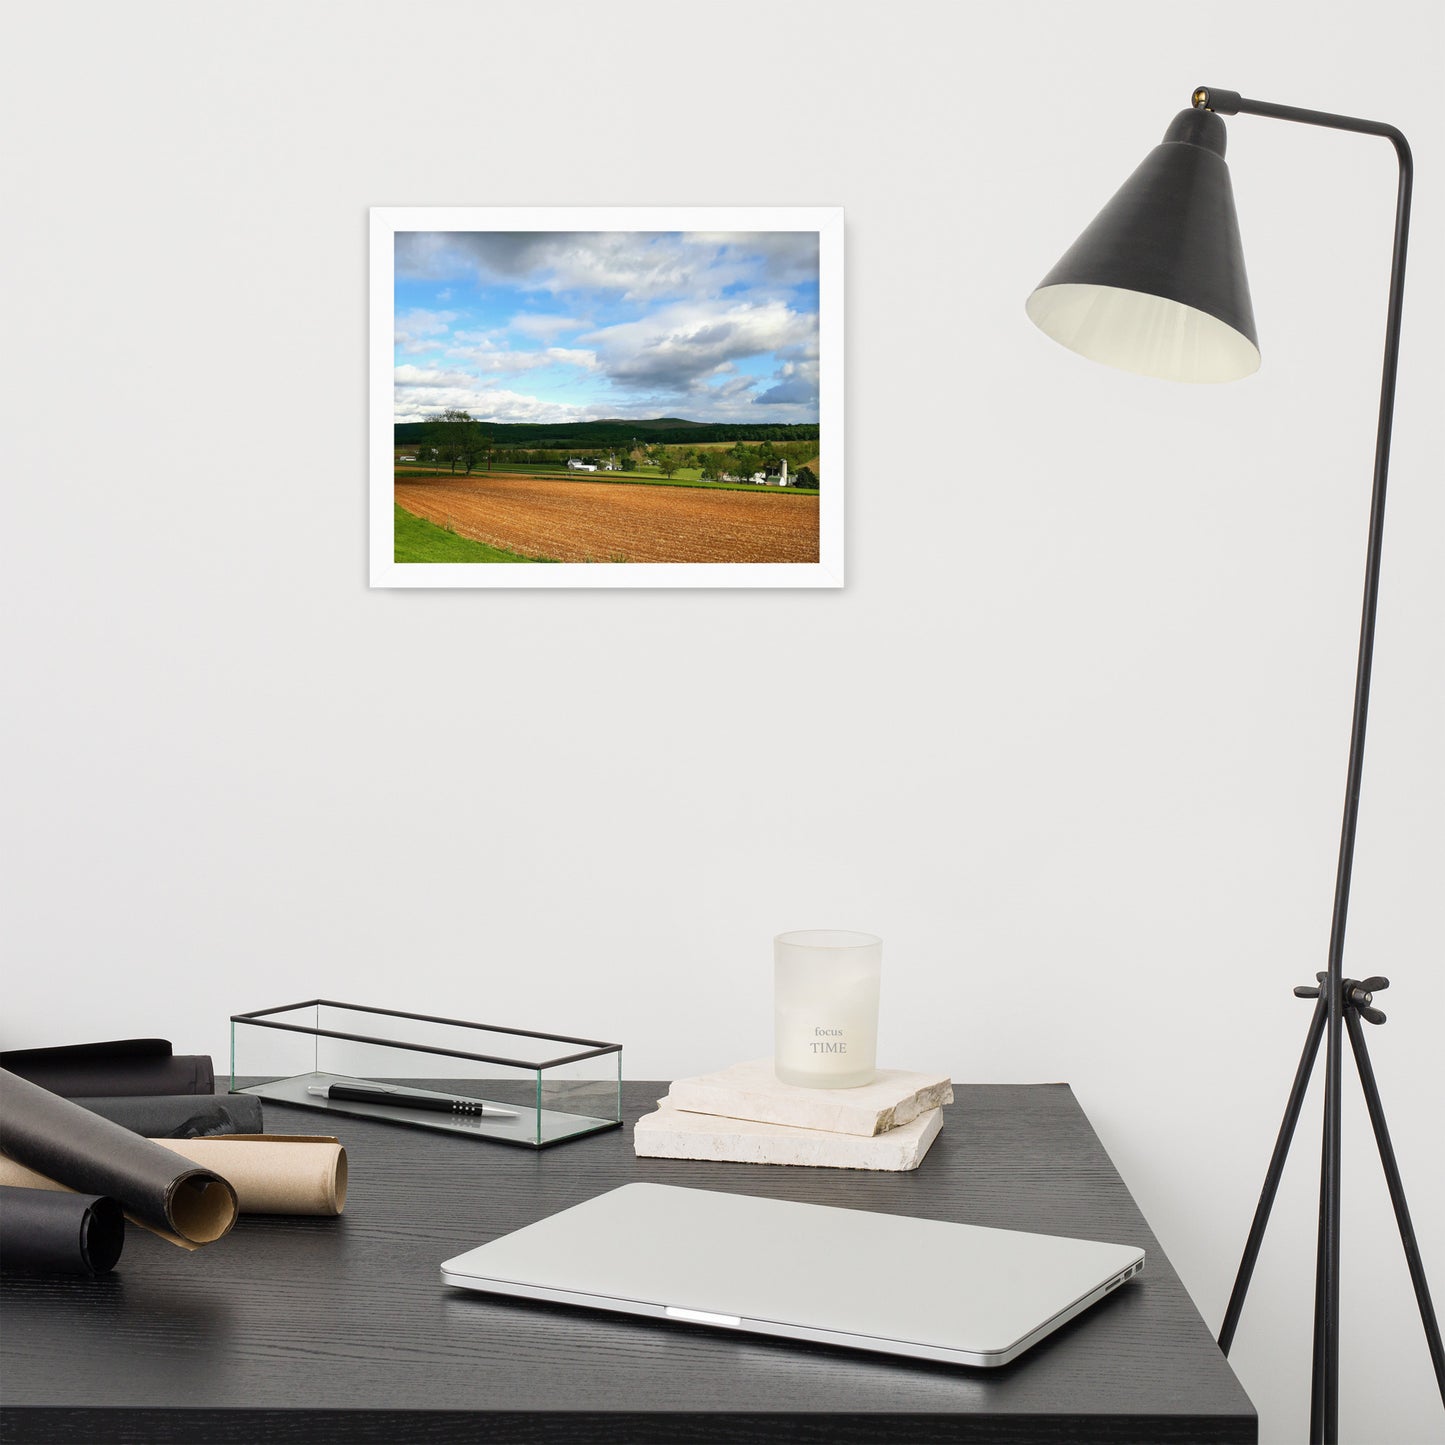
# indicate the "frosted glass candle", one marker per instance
pixel 825 994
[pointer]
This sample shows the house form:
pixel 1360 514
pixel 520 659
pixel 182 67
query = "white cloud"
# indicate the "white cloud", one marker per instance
pixel 419 330
pixel 543 328
pixel 489 404
pixel 418 323
pixel 734 386
pixel 572 356
pixel 677 346
pixel 638 265
pixel 794 383
pixel 783 258
pixel 416 376
pixel 488 357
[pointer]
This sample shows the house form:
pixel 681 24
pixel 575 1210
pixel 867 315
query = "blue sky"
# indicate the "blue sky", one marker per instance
pixel 558 326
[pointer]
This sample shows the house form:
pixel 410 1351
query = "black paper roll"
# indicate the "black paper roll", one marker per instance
pixel 119 1066
pixel 42 1232
pixel 181 1116
pixel 162 1190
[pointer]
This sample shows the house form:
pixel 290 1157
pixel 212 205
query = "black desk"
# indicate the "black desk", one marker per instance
pixel 338 1329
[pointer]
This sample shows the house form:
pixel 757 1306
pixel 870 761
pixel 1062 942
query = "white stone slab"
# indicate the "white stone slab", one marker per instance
pixel 752 1091
pixel 673 1133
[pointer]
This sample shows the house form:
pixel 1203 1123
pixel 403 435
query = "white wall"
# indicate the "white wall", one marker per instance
pixel 1072 739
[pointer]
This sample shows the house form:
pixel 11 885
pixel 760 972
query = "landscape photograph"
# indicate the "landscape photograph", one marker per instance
pixel 603 399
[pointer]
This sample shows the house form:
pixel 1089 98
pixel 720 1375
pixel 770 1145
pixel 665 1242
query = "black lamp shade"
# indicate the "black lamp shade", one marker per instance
pixel 1156 284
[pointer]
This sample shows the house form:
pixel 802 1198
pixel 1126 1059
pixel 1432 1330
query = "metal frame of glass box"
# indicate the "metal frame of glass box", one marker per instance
pixel 530 1102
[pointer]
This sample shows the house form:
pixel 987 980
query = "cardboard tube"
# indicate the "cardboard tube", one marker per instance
pixel 78 1150
pixel 274 1173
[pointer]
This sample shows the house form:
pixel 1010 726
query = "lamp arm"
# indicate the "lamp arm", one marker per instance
pixel 1231 102
pixel 1325 1416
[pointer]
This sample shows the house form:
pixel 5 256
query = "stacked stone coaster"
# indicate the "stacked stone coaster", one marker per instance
pixel 744 1115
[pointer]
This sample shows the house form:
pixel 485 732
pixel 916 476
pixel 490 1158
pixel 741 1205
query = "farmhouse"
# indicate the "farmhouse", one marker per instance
pixel 775 474
pixel 772 476
pixel 576 464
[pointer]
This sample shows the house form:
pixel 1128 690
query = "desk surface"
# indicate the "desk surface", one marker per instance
pixel 338 1329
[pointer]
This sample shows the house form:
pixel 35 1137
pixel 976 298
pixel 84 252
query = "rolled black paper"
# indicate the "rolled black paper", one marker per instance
pixel 116 1067
pixel 181 1116
pixel 91 1155
pixel 45 1232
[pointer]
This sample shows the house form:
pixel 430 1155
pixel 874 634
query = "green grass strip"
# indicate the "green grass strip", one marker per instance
pixel 418 540
pixel 687 477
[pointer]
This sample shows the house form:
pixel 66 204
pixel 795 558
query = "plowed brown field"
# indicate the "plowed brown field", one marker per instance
pixel 610 521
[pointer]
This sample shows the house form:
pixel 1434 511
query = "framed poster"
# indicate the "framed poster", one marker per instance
pixel 599 397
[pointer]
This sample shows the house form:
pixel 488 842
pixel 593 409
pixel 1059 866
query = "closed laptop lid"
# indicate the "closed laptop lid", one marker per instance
pixel 801 1269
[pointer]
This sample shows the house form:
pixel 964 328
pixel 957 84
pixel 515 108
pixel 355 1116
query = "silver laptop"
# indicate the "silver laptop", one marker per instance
pixel 919 1287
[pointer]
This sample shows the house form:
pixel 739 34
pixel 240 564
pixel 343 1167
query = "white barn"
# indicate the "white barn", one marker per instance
pixel 776 479
pixel 576 464
pixel 761 479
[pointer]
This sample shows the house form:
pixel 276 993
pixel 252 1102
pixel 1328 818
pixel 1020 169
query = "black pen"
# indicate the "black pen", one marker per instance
pixel 408 1099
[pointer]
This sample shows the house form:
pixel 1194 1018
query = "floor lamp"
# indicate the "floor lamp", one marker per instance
pixel 1157 285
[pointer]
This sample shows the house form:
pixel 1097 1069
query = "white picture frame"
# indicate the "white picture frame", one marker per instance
pixel 826 222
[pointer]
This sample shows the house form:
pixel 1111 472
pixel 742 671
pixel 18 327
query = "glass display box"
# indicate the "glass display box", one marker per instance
pixel 510 1086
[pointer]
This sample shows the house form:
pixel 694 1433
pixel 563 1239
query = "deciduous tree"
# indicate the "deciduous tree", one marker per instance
pixel 459 440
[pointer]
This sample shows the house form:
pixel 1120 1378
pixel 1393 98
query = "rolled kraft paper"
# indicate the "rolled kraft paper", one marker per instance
pixel 181 1116
pixel 275 1173
pixel 271 1173
pixel 173 1196
pixel 42 1232
pixel 118 1066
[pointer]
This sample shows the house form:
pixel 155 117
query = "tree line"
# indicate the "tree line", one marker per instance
pixel 604 434
pixel 742 459
pixel 456 440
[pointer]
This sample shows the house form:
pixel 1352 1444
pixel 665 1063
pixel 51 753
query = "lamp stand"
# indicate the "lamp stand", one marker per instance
pixel 1341 1001
pixel 1358 1001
